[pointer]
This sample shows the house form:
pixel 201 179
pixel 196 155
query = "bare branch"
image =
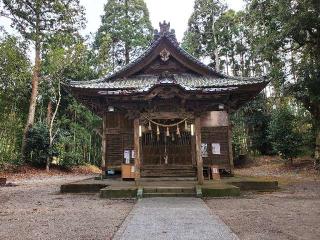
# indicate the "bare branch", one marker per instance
pixel 55 112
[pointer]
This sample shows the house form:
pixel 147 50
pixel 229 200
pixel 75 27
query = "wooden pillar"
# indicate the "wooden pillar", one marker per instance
pixel 137 153
pixel 230 143
pixel 104 145
pixel 198 150
pixel 193 151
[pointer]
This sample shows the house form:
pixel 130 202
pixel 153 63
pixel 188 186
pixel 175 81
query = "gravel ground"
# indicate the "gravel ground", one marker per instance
pixel 36 210
pixel 293 213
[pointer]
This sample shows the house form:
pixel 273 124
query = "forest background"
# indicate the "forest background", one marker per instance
pixel 41 124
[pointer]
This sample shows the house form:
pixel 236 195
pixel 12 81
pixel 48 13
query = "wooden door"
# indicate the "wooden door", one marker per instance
pixel 164 150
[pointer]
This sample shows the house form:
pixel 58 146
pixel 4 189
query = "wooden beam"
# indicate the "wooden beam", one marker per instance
pixel 230 143
pixel 168 115
pixel 198 150
pixel 137 152
pixel 104 145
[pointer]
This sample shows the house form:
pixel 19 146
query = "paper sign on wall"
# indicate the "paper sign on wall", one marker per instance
pixel 132 154
pixel 204 150
pixel 215 148
pixel 215 170
pixel 126 154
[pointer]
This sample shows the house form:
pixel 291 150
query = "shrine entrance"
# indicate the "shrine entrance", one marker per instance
pixel 167 143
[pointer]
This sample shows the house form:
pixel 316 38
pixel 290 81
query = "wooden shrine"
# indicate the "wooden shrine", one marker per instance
pixel 166 112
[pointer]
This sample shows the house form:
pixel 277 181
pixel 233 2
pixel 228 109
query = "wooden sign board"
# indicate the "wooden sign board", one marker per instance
pixel 127 171
pixel 3 181
pixel 215 172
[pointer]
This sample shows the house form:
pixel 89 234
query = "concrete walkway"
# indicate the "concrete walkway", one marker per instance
pixel 173 218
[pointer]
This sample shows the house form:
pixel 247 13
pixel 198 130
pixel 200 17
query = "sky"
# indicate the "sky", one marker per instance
pixel 177 12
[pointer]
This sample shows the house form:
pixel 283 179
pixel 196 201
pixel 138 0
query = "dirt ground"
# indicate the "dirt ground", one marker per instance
pixel 291 213
pixel 274 167
pixel 36 210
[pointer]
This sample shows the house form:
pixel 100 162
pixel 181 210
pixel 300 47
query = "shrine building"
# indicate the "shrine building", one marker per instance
pixel 166 114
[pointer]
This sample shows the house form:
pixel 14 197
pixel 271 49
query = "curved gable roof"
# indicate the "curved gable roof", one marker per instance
pixel 194 78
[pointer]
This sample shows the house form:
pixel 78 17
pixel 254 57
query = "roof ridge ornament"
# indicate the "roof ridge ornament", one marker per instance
pixel 165 55
pixel 164 31
pixel 164 27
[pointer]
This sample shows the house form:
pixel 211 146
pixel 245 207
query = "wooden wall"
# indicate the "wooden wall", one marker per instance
pixel 214 129
pixel 119 138
pixel 219 135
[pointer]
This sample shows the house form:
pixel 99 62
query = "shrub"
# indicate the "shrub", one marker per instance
pixel 37 145
pixel 283 133
pixel 70 159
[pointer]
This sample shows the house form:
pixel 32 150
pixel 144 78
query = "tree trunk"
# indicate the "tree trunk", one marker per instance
pixel 127 44
pixel 33 98
pixel 49 113
pixel 50 125
pixel 317 150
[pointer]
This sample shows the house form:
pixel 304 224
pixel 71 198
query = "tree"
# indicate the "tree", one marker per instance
pixel 65 57
pixel 292 28
pixel 200 38
pixel 124 32
pixel 37 21
pixel 283 133
pixel 14 93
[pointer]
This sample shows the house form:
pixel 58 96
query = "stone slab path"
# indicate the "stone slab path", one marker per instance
pixel 173 218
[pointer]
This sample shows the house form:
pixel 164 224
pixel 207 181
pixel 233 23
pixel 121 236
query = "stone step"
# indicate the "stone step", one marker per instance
pixel 149 195
pixel 189 190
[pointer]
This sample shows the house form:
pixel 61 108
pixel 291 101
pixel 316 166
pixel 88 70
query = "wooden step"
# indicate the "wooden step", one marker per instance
pixel 166 179
pixel 168 167
pixel 168 171
pixel 168 175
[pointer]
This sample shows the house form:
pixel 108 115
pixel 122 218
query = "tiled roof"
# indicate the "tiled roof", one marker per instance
pixel 170 36
pixel 187 81
pixel 140 83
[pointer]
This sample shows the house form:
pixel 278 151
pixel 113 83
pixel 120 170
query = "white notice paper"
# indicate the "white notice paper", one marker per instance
pixel 204 150
pixel 215 170
pixel 127 156
pixel 215 148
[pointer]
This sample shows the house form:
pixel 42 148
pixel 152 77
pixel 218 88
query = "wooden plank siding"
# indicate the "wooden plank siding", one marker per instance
pixel 120 137
pixel 119 133
pixel 219 135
